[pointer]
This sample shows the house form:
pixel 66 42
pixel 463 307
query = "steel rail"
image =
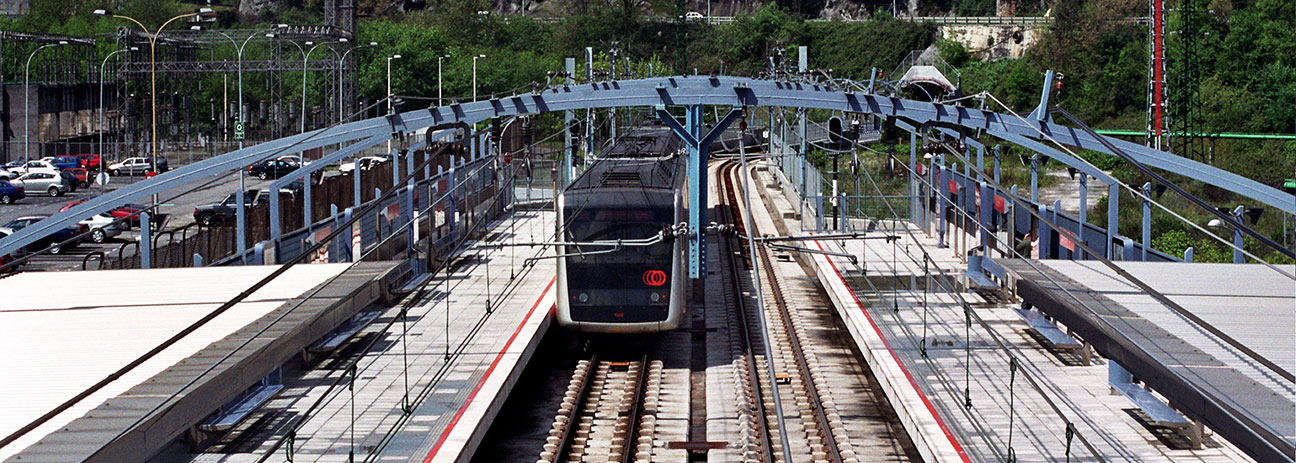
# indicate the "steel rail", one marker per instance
pixel 794 340
pixel 749 349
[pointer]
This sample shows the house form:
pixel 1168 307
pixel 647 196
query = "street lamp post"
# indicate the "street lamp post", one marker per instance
pixel 475 75
pixel 239 48
pixel 102 68
pixel 341 64
pixel 27 99
pixel 307 57
pixel 153 36
pixel 303 52
pixel 439 58
pixel 389 107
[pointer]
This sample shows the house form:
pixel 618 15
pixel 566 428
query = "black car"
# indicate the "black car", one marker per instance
pixel 56 237
pixel 273 168
pixel 70 180
pixel 223 211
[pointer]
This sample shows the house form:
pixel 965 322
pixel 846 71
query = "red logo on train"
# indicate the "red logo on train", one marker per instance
pixel 654 278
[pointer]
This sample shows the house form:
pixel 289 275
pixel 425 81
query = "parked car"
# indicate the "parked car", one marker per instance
pixel 129 211
pixel 76 202
pixel 52 239
pixel 130 166
pixel 6 173
pixel 10 193
pixel 272 168
pixel 5 259
pixel 50 183
pixel 88 161
pixel 75 178
pixel 62 162
pixel 36 166
pixel 366 163
pixel 103 226
pixel 223 211
pixel 295 158
pixel 163 165
pixel 82 175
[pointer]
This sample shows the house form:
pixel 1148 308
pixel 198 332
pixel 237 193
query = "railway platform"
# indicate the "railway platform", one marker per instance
pixel 98 378
pixel 434 380
pixel 970 379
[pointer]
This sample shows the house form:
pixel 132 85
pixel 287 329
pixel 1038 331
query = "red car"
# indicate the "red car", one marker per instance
pixel 82 176
pixel 130 210
pixel 88 161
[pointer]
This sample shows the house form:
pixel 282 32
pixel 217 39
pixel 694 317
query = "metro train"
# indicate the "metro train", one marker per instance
pixel 635 190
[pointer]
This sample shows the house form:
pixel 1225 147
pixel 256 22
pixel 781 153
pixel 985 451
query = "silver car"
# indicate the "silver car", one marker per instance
pixel 49 182
pixel 136 165
pixel 103 226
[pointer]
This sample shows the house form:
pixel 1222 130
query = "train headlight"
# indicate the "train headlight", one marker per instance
pixel 655 297
pixel 583 297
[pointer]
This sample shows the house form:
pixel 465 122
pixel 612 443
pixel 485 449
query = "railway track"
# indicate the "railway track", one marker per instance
pixel 822 427
pixel 608 413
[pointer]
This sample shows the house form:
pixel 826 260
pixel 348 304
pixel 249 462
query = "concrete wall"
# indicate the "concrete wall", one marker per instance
pixel 993 42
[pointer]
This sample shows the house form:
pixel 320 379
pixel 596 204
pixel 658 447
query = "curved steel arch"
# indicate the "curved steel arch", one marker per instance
pixel 677 90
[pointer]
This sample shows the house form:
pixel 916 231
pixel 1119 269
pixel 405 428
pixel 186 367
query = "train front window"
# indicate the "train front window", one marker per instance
pixel 618 224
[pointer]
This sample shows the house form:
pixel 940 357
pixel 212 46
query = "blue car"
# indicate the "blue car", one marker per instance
pixel 52 239
pixel 10 193
pixel 63 162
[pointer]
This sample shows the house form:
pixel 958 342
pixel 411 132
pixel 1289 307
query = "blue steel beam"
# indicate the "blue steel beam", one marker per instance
pixel 677 90
pixel 305 171
pixel 698 146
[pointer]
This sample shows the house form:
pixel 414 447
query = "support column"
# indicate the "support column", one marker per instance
pixel 569 151
pixel 1238 258
pixel 355 178
pixel 240 223
pixel 1084 214
pixel 276 229
pixel 1113 218
pixel 1147 221
pixel 697 144
pixel 939 161
pixel 996 164
pixel 1034 177
pixel 307 216
pixel 146 240
pixel 985 216
pixel 917 214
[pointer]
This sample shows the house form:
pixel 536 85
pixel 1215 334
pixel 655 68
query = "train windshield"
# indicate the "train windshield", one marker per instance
pixel 600 224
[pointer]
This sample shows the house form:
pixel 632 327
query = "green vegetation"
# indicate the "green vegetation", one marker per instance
pixel 1247 63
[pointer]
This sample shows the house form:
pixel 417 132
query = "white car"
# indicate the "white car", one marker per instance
pixel 693 16
pixel 103 226
pixel 136 165
pixel 294 158
pixel 366 163
pixel 36 166
pixel 50 183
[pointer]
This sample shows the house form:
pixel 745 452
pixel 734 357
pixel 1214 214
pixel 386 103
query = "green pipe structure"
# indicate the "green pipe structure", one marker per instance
pixel 1250 136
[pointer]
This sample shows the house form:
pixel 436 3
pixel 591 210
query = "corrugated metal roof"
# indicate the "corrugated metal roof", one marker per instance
pixel 61 332
pixel 1250 303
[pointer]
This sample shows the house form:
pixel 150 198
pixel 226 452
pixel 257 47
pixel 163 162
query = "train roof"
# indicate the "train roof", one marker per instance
pixel 646 157
pixel 652 173
pixel 645 142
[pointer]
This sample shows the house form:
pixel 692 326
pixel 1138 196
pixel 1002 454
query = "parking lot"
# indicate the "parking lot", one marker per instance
pixel 177 207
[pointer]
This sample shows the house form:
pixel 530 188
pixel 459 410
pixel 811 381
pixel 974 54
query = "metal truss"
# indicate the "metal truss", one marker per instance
pixel 249 66
pixel 651 92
